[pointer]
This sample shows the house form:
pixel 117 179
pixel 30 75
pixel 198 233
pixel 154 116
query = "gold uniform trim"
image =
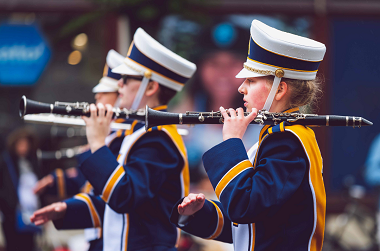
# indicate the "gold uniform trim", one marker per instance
pixel 306 137
pixel 171 131
pixel 262 72
pixel 230 175
pixel 130 48
pixel 111 183
pixel 61 183
pixel 219 225
pixel 94 214
pixel 86 187
pixel 161 107
pixel 105 70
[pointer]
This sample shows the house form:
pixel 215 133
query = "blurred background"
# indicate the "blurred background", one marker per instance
pixel 55 50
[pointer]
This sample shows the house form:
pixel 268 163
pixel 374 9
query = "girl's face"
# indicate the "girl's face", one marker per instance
pixel 255 91
pixel 128 91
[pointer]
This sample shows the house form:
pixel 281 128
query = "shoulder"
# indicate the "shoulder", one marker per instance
pixel 285 133
pixel 286 143
pixel 159 137
pixel 157 145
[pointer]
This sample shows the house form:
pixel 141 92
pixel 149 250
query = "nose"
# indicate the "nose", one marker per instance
pixel 241 88
pixel 120 83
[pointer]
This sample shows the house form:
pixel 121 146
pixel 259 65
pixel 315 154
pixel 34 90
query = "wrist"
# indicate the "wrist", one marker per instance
pixel 96 146
pixel 227 137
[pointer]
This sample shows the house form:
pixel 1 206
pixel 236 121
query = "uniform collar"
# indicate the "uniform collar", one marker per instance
pixel 129 121
pixel 135 124
pixel 265 128
pixel 160 108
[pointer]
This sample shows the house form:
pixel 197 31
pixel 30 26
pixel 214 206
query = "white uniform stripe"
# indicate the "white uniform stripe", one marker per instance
pixel 125 233
pixel 182 186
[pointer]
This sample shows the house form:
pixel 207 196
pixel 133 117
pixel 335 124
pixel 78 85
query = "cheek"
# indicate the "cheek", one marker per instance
pixel 264 91
pixel 124 90
pixel 262 95
pixel 258 94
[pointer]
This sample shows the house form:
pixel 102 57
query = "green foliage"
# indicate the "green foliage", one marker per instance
pixel 78 22
pixel 148 13
pixel 145 11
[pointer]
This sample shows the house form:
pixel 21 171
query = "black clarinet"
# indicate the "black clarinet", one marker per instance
pixel 155 118
pixel 28 106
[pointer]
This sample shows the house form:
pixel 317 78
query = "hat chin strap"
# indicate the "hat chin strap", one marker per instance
pixel 272 93
pixel 278 74
pixel 141 90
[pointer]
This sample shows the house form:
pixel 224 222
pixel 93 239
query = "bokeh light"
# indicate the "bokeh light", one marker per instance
pixel 75 57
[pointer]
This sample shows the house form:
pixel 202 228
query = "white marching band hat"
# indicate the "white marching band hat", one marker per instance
pixel 148 58
pixel 281 54
pixel 108 83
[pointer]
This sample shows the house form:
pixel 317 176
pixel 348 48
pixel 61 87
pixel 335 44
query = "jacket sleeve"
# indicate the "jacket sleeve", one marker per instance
pixel 209 223
pixel 83 211
pixel 249 194
pixel 151 160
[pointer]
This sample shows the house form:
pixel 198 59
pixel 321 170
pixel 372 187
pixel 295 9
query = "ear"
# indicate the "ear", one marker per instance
pixel 281 90
pixel 152 88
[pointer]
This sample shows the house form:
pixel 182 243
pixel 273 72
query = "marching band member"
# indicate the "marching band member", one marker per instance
pixel 151 173
pixel 72 181
pixel 273 197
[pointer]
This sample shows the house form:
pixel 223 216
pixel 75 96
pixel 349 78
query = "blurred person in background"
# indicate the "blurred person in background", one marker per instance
pixel 19 172
pixel 219 55
pixel 71 181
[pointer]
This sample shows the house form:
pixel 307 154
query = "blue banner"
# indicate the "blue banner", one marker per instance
pixel 23 54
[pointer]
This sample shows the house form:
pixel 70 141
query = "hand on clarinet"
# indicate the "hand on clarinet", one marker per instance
pixel 54 211
pixel 235 124
pixel 191 204
pixel 98 125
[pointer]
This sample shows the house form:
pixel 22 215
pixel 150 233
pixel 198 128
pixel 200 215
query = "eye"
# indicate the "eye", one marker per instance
pixel 250 80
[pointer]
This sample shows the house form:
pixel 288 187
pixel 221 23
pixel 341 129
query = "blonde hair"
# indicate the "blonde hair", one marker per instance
pixel 303 92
